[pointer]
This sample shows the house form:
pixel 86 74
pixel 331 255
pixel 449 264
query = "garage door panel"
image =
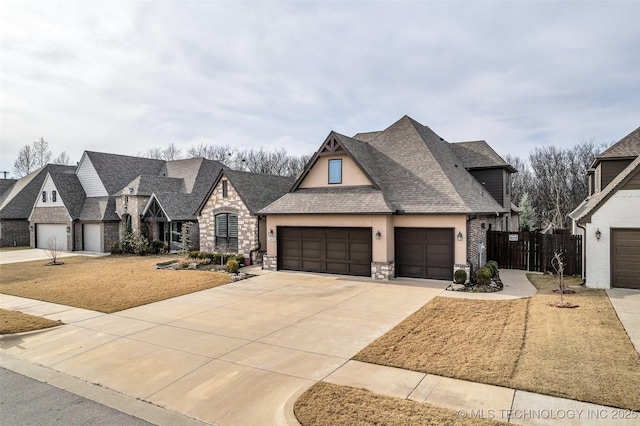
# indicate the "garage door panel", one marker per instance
pixel 625 258
pixel 333 250
pixel 91 237
pixel 48 234
pixel 424 252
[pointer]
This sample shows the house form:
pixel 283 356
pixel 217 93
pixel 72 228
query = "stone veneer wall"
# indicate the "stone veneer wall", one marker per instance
pixel 383 270
pixel 134 207
pixel 247 223
pixel 270 263
pixel 15 232
pixel 477 232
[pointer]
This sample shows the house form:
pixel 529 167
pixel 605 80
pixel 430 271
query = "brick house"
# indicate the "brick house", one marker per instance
pixel 107 194
pixel 16 202
pixel 401 202
pixel 228 215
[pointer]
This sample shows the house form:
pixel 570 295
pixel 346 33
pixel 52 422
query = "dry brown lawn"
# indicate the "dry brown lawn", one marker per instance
pixel 582 353
pixel 17 322
pixel 330 405
pixel 105 284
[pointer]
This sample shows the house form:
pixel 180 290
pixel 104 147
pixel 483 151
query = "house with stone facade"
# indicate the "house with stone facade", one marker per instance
pixel 228 215
pixel 108 194
pixel 16 202
pixel 401 202
pixel 609 219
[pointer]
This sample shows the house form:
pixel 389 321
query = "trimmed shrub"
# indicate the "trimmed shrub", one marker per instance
pixel 233 266
pixel 157 247
pixel 492 268
pixel 460 276
pixel 484 275
pixel 494 265
pixel 193 254
pixel 134 244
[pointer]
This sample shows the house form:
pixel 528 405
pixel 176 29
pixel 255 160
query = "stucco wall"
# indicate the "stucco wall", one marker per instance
pixel 319 174
pixel 383 249
pixel 620 211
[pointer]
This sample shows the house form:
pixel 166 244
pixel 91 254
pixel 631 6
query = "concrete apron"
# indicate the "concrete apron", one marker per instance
pixel 237 354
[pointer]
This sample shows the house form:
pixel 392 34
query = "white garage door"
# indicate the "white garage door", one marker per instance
pixel 49 233
pixel 91 235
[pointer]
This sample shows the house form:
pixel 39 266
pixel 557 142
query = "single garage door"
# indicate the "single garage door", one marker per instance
pixel 49 233
pixel 625 258
pixel 91 237
pixel 424 253
pixel 333 250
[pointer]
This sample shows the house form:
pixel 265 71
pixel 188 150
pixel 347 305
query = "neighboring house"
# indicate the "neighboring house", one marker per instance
pixel 16 201
pixel 228 215
pixel 109 194
pixel 400 202
pixel 609 219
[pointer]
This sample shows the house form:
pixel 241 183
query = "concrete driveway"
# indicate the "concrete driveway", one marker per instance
pixel 239 354
pixel 27 255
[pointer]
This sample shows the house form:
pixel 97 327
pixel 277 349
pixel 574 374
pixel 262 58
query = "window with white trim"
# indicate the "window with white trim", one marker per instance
pixel 335 171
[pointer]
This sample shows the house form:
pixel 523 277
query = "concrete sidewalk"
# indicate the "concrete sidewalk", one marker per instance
pixel 28 255
pixel 474 400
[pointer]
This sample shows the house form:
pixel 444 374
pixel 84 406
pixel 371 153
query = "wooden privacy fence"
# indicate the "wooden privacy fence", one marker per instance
pixel 533 251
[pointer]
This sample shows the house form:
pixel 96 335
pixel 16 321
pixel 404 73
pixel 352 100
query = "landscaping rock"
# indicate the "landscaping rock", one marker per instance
pixel 458 287
pixel 192 266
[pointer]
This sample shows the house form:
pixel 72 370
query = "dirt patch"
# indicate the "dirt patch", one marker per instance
pixel 329 404
pixel 17 322
pixel 582 353
pixel 105 284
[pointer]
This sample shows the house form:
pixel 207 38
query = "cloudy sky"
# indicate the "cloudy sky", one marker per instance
pixel 123 77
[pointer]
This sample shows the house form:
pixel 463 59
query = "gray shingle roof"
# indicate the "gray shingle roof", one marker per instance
pixel 478 154
pixel 334 200
pixel 147 185
pixel 116 171
pixel 256 190
pixel 5 185
pixel 629 146
pixel 415 170
pixel 18 201
pixel 99 209
pixel 174 204
pixel 70 191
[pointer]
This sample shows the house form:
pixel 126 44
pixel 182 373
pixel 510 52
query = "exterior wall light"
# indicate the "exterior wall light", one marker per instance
pixel 378 235
pixel 68 229
pixel 459 236
pixel 598 234
pixel 271 232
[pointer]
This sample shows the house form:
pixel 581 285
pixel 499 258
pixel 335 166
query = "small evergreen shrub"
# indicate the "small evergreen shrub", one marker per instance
pixel 134 244
pixel 233 266
pixel 494 266
pixel 484 275
pixel 157 247
pixel 194 254
pixel 460 276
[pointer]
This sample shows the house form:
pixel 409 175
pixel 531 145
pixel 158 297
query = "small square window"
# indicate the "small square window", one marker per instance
pixel 44 196
pixel 225 190
pixel 54 196
pixel 335 171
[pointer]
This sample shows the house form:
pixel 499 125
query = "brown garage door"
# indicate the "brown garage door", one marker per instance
pixel 424 253
pixel 625 258
pixel 333 250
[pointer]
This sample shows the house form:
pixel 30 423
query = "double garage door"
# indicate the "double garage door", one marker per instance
pixel 625 258
pixel 420 252
pixel 334 250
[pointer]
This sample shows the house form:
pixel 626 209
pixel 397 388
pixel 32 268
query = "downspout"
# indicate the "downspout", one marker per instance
pixel 584 253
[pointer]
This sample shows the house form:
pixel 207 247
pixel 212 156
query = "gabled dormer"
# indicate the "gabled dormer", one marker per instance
pixel 333 165
pixel 49 194
pixel 613 161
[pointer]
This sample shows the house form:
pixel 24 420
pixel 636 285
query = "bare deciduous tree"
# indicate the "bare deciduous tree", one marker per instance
pixel 25 163
pixel 53 250
pixel 63 159
pixel 42 152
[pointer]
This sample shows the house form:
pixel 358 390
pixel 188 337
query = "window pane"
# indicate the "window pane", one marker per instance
pixel 335 171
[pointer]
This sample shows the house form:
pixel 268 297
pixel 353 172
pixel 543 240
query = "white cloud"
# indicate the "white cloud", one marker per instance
pixel 127 76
